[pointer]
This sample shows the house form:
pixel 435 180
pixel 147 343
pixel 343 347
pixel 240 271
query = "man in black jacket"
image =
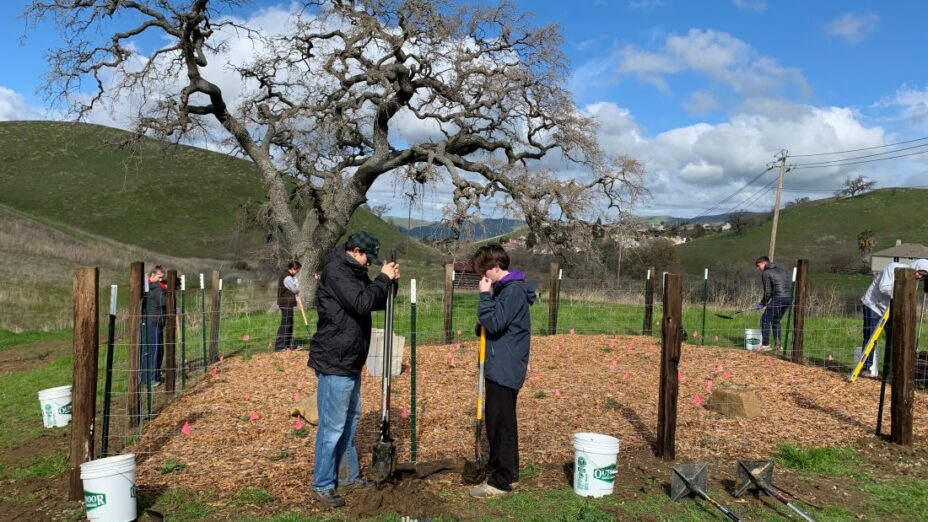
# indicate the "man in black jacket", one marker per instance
pixel 776 299
pixel 345 298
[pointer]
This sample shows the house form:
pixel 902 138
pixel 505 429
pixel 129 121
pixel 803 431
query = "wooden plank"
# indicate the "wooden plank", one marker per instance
pixel 799 309
pixel 671 340
pixel 86 342
pixel 904 318
pixel 214 320
pixel 447 302
pixel 646 327
pixel 136 274
pixel 170 334
pixel 552 299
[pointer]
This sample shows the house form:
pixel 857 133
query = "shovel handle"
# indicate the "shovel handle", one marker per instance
pixel 871 343
pixel 480 360
pixel 299 301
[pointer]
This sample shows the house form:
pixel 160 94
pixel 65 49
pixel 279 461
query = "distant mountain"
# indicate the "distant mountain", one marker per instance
pixel 483 229
pixel 400 222
pixel 712 218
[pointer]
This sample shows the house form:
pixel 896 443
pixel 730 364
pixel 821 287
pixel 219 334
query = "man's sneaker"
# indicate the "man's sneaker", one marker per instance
pixel 485 490
pixel 358 484
pixel 330 498
pixel 762 348
pixel 156 384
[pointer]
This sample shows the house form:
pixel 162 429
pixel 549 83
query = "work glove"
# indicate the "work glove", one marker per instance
pixel 760 306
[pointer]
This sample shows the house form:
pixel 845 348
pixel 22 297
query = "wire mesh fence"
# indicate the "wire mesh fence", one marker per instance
pixel 233 396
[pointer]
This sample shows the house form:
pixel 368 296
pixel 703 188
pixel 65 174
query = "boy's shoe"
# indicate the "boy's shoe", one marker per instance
pixel 762 348
pixel 485 490
pixel 330 498
pixel 156 384
pixel 358 484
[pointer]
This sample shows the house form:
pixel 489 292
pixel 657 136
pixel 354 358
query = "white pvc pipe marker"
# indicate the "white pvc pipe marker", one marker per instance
pixel 113 299
pixel 706 275
pixel 794 273
pixel 183 283
pixel 220 285
pixel 412 291
pixel 202 286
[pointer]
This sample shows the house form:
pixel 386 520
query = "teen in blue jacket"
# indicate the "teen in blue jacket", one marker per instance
pixel 503 310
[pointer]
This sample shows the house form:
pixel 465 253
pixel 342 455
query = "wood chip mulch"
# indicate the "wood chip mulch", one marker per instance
pixel 241 433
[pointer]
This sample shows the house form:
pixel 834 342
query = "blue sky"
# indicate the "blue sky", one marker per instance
pixel 703 92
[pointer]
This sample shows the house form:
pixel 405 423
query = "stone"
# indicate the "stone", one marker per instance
pixel 734 400
pixel 306 408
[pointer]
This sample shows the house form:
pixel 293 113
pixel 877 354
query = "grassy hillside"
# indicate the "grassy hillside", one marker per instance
pixel 177 200
pixel 819 231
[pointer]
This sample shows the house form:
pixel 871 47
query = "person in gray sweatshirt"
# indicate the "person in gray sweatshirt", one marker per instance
pixel 775 301
pixel 503 311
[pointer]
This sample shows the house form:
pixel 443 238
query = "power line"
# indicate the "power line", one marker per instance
pixel 858 150
pixel 867 155
pixel 743 205
pixel 817 166
pixel 730 196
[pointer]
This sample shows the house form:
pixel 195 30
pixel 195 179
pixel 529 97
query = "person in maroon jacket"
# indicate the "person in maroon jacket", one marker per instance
pixel 288 287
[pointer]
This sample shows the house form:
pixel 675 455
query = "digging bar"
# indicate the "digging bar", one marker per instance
pixel 732 316
pixel 476 470
pixel 760 473
pixel 694 478
pixel 384 456
pixel 871 344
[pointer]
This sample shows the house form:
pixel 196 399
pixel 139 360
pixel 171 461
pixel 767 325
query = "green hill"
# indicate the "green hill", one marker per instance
pixel 177 200
pixel 824 231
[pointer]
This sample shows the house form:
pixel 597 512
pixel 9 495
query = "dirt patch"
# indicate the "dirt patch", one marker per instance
pixel 32 356
pixel 42 499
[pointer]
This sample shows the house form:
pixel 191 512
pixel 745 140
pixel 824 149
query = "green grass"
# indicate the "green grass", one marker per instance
pixel 10 339
pixel 43 467
pixel 551 505
pixel 902 498
pixel 256 497
pixel 836 460
pixel 181 505
pixel 192 195
pixel 817 231
pixel 171 466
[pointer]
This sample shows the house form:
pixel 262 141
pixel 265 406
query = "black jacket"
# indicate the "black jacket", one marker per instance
pixel 157 299
pixel 505 314
pixel 344 301
pixel 776 283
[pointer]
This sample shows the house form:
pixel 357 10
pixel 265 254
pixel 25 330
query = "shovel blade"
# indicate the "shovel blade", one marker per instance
pixel 761 470
pixel 686 477
pixel 384 461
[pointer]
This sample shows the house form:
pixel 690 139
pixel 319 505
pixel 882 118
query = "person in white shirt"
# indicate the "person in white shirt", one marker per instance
pixel 879 293
pixel 288 288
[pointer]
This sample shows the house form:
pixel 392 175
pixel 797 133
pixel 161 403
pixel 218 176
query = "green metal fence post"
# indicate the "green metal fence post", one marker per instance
pixel 183 332
pixel 705 299
pixel 413 442
pixel 148 351
pixel 108 383
pixel 789 313
pixel 203 321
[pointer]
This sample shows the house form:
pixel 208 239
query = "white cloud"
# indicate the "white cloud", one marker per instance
pixel 719 56
pixel 911 104
pixel 692 167
pixel 852 28
pixel 701 102
pixel 751 5
pixel 13 106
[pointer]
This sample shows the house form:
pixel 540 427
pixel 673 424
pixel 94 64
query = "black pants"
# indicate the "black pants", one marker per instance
pixel 285 331
pixel 503 434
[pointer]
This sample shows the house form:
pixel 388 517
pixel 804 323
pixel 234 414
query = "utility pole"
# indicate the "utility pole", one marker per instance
pixel 781 159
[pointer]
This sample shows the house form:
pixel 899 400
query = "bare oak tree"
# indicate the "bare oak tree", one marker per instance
pixel 854 186
pixel 322 103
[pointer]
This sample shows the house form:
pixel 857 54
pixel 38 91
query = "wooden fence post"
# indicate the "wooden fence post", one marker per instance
pixel 214 322
pixel 648 303
pixel 86 342
pixel 136 274
pixel 170 333
pixel 553 298
pixel 671 339
pixel 447 303
pixel 903 356
pixel 799 308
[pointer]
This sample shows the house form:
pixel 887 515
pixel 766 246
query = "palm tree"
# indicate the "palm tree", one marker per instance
pixel 865 242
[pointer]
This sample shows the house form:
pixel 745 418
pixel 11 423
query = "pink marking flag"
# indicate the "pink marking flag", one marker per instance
pixel 697 400
pixel 557 392
pixel 625 376
pixel 727 375
pixel 246 337
pixel 529 368
pixel 695 334
pixel 404 413
pixel 298 424
pixel 214 371
pixel 296 396
pixel 451 363
pixel 709 384
pixel 288 350
pixel 628 349
pixel 720 369
pixel 614 365
pixel 247 396
pixel 610 343
pixel 186 429
pixel 557 348
pixel 830 358
pixel 222 359
pixel 679 376
pixel 572 331
pixel 254 416
pixel 769 362
pixel 457 346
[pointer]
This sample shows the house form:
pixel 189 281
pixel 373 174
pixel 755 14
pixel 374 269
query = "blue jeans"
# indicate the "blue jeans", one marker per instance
pixel 338 399
pixel 151 351
pixel 871 321
pixel 770 320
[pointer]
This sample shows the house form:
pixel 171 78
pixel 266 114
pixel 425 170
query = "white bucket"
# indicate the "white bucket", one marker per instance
pixel 752 339
pixel 109 488
pixel 56 406
pixel 595 457
pixel 375 354
pixel 874 368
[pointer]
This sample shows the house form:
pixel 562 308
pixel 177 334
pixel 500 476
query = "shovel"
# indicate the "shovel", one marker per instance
pixel 732 316
pixel 384 456
pixel 693 478
pixel 299 302
pixel 760 474
pixel 476 470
